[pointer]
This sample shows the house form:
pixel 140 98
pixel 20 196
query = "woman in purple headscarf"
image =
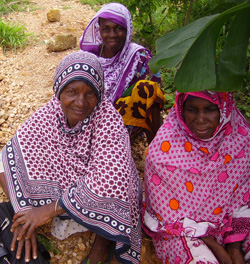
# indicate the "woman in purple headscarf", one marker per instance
pixel 197 184
pixel 126 71
pixel 72 159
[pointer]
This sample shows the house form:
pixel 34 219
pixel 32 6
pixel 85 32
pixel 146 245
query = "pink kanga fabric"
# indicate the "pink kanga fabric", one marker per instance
pixel 195 188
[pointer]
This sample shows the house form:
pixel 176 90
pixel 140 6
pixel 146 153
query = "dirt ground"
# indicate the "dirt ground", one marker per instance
pixel 26 84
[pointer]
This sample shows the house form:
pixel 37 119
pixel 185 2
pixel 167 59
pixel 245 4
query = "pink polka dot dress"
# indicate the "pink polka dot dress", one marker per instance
pixel 196 188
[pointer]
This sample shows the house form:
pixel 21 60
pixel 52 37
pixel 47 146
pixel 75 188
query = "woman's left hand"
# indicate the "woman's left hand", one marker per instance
pixel 32 218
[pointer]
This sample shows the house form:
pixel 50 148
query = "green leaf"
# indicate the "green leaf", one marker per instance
pixel 231 68
pixel 172 47
pixel 197 71
pixel 193 48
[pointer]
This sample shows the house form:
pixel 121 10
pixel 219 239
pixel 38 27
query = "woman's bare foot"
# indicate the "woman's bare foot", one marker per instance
pixel 219 252
pixel 100 250
pixel 235 252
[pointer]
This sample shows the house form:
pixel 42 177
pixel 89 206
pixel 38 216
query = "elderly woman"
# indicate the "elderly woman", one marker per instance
pixel 197 182
pixel 126 71
pixel 72 159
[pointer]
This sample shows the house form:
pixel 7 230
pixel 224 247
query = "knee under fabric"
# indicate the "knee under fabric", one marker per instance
pixel 8 256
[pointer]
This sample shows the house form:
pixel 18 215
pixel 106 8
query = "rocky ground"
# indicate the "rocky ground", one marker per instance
pixel 26 84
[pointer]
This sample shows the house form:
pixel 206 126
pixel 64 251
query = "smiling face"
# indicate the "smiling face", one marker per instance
pixel 113 36
pixel 201 117
pixel 78 100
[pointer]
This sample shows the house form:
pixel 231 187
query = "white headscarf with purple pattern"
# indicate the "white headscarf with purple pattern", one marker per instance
pixel 88 167
pixel 119 70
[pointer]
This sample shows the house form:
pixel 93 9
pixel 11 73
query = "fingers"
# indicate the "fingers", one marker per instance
pixel 20 230
pixel 19 248
pixel 14 240
pixel 18 214
pixel 17 221
pixel 34 245
pixel 30 231
pixel 29 244
pixel 27 250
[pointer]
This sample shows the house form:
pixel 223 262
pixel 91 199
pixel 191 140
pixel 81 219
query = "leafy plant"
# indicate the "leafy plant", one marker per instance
pixel 95 4
pixel 7 6
pixel 13 35
pixel 48 244
pixel 193 49
pixel 168 87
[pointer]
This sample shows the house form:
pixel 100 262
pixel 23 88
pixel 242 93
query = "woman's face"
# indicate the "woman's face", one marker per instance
pixel 113 35
pixel 78 100
pixel 201 117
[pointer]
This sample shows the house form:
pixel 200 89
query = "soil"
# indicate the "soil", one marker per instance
pixel 26 84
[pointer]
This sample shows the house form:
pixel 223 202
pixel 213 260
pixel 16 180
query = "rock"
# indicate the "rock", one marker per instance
pixel 61 42
pixel 82 247
pixel 53 15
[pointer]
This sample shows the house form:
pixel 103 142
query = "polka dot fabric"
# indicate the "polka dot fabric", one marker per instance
pixel 190 181
pixel 92 170
pixel 89 167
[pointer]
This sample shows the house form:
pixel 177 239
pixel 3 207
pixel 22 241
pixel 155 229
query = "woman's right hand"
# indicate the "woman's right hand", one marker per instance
pixel 30 245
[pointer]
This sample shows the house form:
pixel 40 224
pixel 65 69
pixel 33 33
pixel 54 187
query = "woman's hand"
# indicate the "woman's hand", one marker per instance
pixel 235 252
pixel 29 244
pixel 219 252
pixel 28 220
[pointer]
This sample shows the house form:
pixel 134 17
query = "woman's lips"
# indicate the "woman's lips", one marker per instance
pixel 201 131
pixel 79 112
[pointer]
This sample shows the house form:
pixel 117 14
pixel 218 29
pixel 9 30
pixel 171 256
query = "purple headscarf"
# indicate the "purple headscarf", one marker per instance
pixel 120 70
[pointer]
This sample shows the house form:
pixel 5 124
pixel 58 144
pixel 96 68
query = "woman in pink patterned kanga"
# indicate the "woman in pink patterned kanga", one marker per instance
pixel 197 195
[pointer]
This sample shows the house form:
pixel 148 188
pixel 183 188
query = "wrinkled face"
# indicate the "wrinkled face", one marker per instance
pixel 113 35
pixel 78 100
pixel 201 117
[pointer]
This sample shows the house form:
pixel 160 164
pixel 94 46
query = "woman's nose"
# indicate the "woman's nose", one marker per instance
pixel 113 33
pixel 81 101
pixel 201 117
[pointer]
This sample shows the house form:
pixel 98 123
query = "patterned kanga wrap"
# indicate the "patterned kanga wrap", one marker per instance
pixel 89 167
pixel 120 70
pixel 195 187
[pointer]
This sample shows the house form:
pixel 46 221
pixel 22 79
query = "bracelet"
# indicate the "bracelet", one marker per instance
pixel 56 204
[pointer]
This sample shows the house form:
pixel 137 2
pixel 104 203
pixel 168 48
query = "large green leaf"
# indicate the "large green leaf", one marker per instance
pixel 193 48
pixel 231 68
pixel 172 47
pixel 197 71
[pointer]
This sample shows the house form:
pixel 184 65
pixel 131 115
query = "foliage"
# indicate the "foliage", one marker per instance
pixel 193 47
pixel 7 6
pixel 48 244
pixel 13 35
pixel 168 86
pixel 147 16
pixel 96 4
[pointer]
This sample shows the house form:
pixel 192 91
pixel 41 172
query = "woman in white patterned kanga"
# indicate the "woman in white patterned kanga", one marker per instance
pixel 72 160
